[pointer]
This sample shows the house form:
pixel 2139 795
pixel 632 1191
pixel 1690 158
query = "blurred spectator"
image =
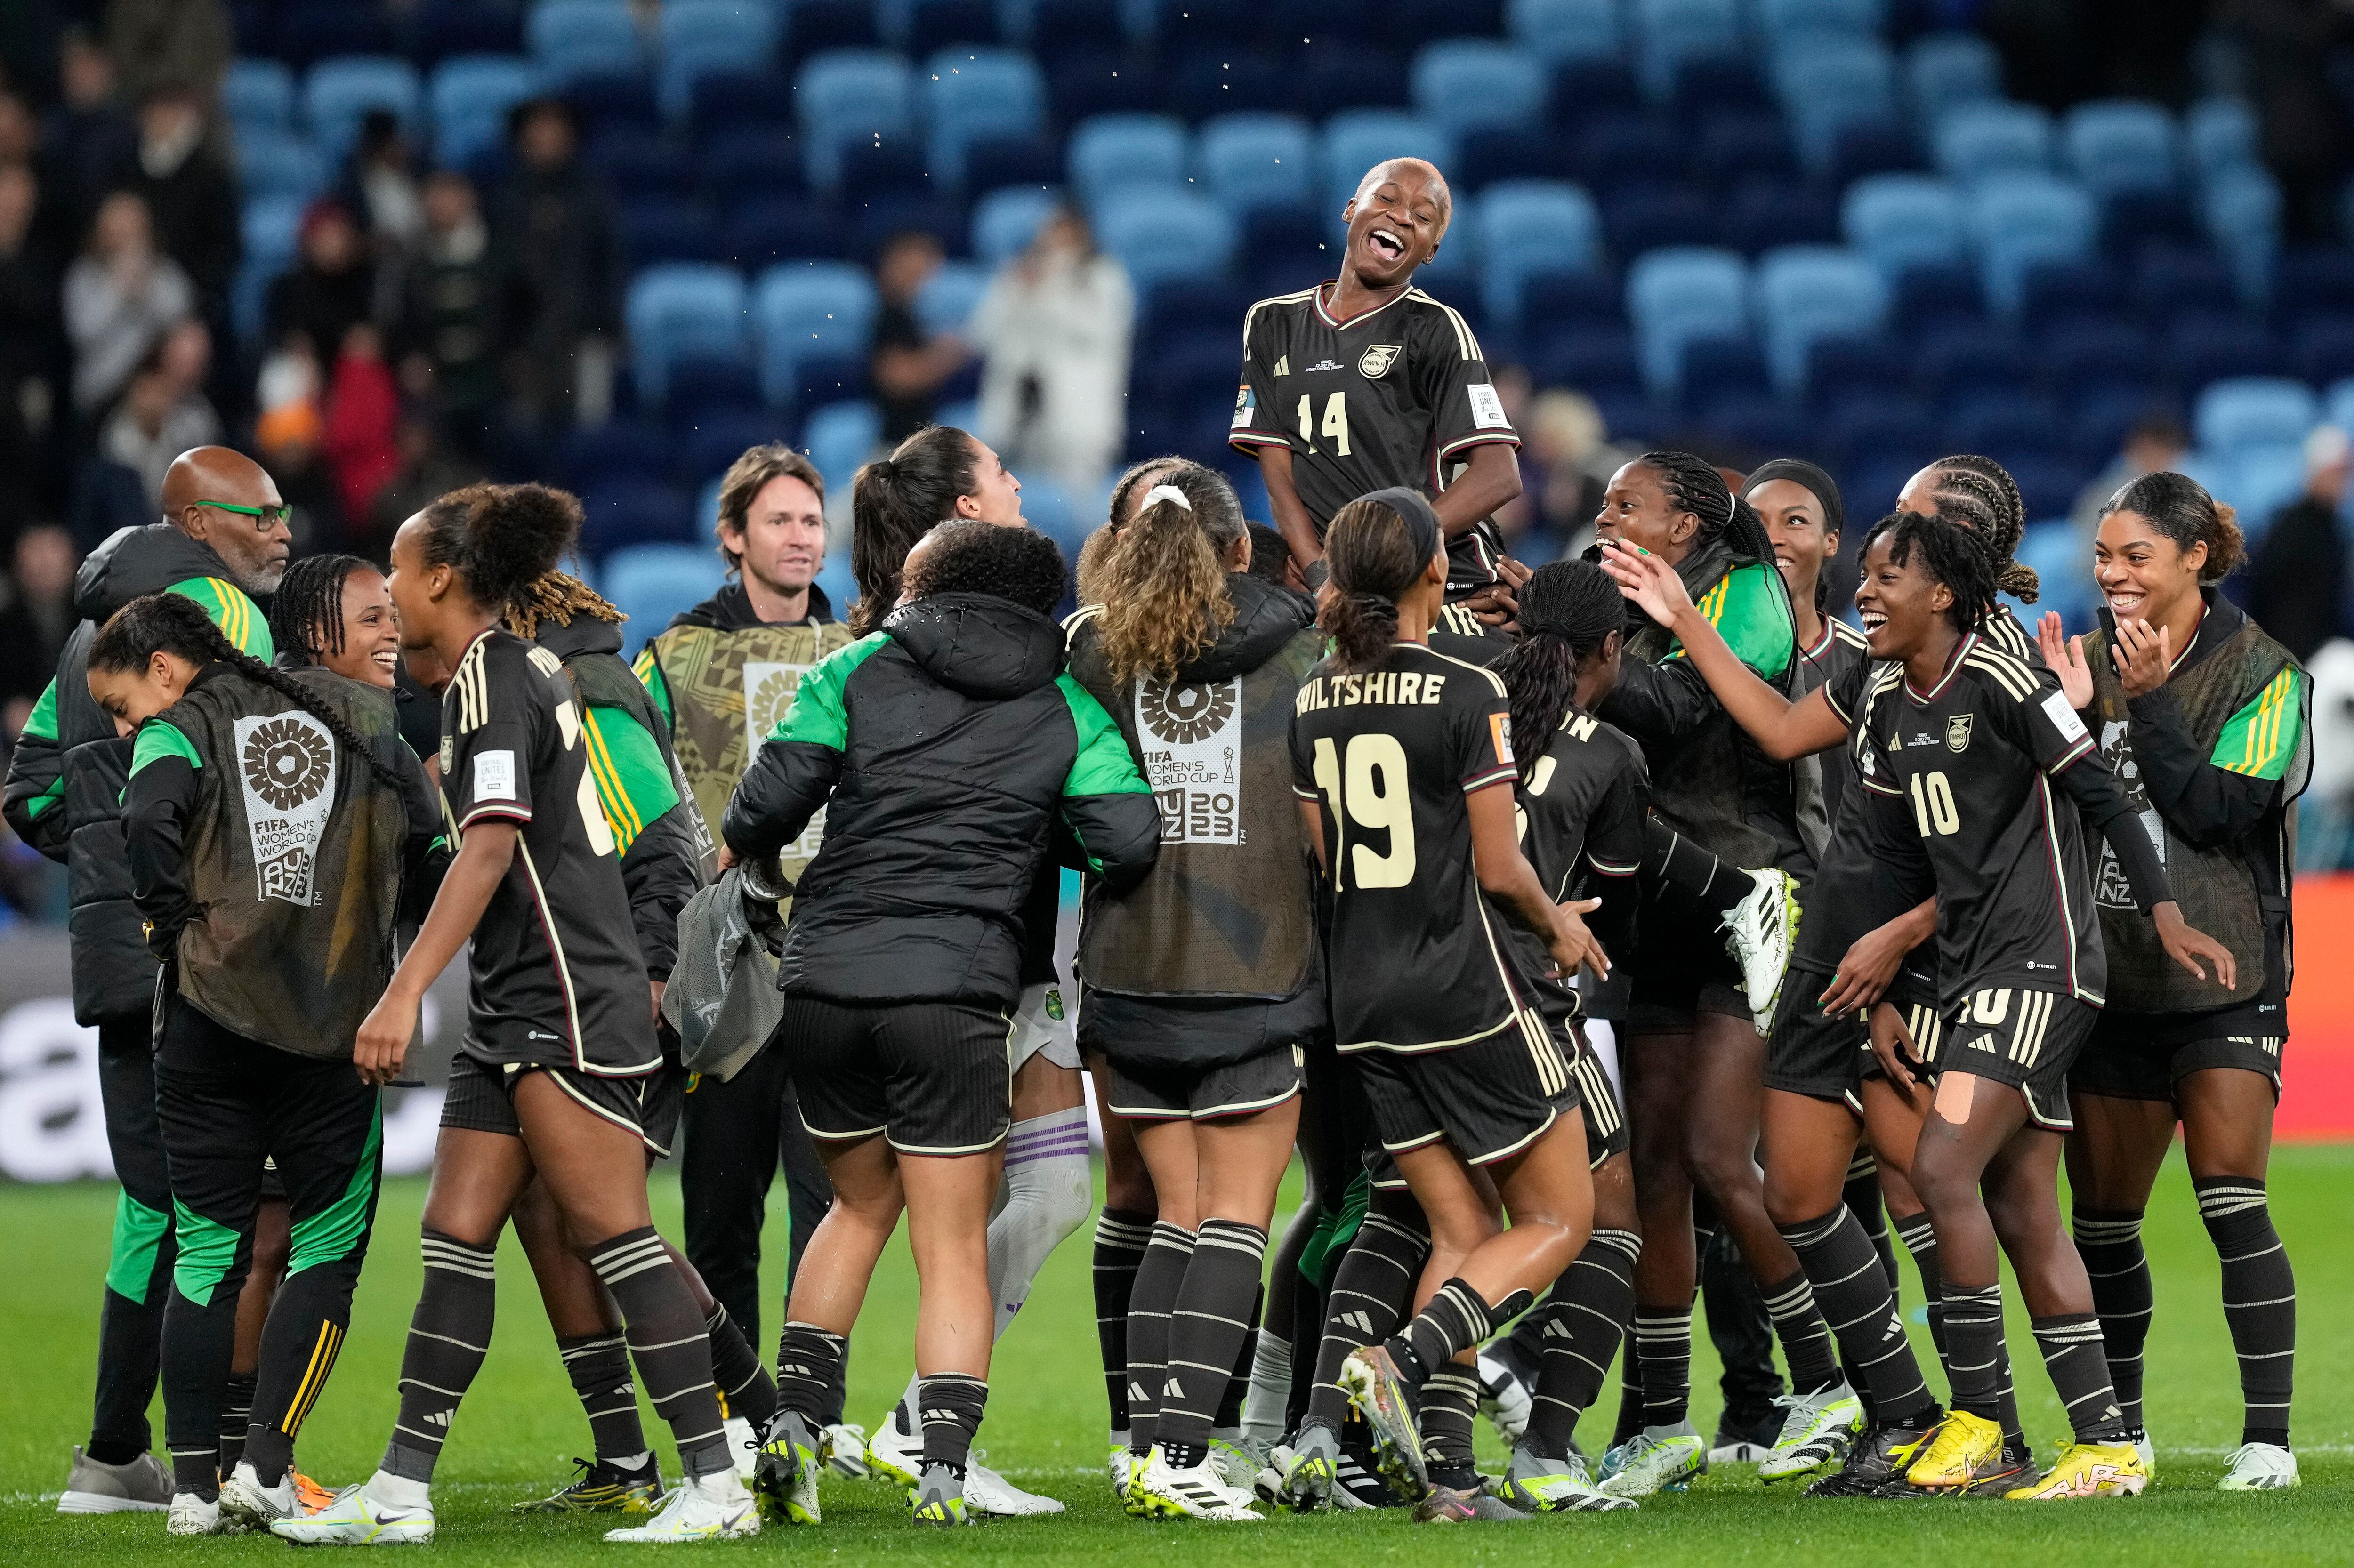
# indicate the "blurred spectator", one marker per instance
pixel 380 185
pixel 362 408
pixel 426 471
pixel 558 269
pixel 1055 327
pixel 189 191
pixel 86 138
pixel 2297 583
pixel 288 438
pixel 163 411
pixel 332 286
pixel 448 345
pixel 31 351
pixel 2289 50
pixel 38 614
pixel 121 295
pixel 907 364
pixel 1566 462
pixel 2156 442
pixel 185 42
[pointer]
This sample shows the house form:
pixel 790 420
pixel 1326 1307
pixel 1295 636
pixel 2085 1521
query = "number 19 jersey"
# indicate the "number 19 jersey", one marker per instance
pixel 1415 961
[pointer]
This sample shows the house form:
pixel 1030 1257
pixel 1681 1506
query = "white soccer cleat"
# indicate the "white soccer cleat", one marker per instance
pixel 986 1491
pixel 744 1444
pixel 1819 1431
pixel 1238 1462
pixel 357 1519
pixel 1659 1458
pixel 893 1455
pixel 716 1506
pixel 1504 1399
pixel 1538 1484
pixel 1119 1465
pixel 246 1504
pixel 192 1515
pixel 844 1446
pixel 1759 932
pixel 1197 1491
pixel 2260 1467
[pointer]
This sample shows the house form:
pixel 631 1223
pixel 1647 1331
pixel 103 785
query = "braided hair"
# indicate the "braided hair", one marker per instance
pixel 306 613
pixel 500 537
pixel 1568 609
pixel 1694 485
pixel 174 623
pixel 1993 505
pixel 1953 551
pixel 557 596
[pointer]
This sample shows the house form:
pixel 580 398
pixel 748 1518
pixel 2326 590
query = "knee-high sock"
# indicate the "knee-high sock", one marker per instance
pixel 809 1361
pixel 743 1381
pixel 1584 1322
pixel 1368 1299
pixel 1228 1421
pixel 1450 1404
pixel 1158 1279
pixel 2109 1241
pixel 1120 1238
pixel 1920 1240
pixel 2071 1344
pixel 2259 1299
pixel 1805 1338
pixel 1630 1384
pixel 1457 1318
pixel 1265 1406
pixel 599 1366
pixel 1674 859
pixel 236 1416
pixel 1207 1325
pixel 1049 1193
pixel 1974 1347
pixel 1663 1346
pixel 1852 1288
pixel 1738 1323
pixel 449 1334
pixel 668 1343
pixel 304 1334
pixel 1861 1196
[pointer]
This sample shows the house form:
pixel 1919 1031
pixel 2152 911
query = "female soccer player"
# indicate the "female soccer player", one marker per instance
pixel 942 747
pixel 559 1049
pixel 939 474
pixel 274 822
pixel 1398 755
pixel 2202 718
pixel 1203 983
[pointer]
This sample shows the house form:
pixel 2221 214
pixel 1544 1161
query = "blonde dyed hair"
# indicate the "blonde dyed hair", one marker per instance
pixel 1161 580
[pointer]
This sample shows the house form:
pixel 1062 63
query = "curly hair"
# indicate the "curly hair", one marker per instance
pixel 1694 485
pixel 1568 610
pixel 500 537
pixel 1162 580
pixel 1992 505
pixel 895 500
pixel 1020 564
pixel 306 613
pixel 2180 507
pixel 557 596
pixel 1371 553
pixel 1952 551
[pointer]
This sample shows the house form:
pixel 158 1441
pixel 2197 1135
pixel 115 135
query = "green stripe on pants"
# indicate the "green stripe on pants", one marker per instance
pixel 207 1247
pixel 331 1234
pixel 138 1234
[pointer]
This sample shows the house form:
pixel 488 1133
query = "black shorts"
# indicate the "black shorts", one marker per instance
pixel 1489 1099
pixel 2027 1039
pixel 1914 996
pixel 481 1098
pixel 1813 1053
pixel 932 1077
pixel 1605 1118
pixel 1681 967
pixel 2144 1055
pixel 1173 1093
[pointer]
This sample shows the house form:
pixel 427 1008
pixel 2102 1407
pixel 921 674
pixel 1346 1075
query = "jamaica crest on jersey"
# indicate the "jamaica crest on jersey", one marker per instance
pixel 1957 731
pixel 286 770
pixel 1375 362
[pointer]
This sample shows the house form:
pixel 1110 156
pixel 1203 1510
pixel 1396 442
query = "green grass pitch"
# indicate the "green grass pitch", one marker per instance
pixel 1045 1427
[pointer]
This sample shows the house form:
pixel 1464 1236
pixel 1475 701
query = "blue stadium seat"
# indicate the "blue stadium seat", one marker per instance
pixel 259 95
pixel 569 39
pixel 440 28
pixel 683 312
pixel 651 583
pixel 749 165
pixel 1469 84
pixel 2056 554
pixel 1004 222
pixel 1905 220
pixel 707 37
pixel 470 96
pixel 1251 161
pixel 1670 32
pixel 947 300
pixel 339 93
pixel 268 226
pixel 1558 30
pixel 851 95
pixel 2121 144
pixel 1528 227
pixel 838 438
pixel 637 164
pixel 2220 133
pixel 2241 208
pixel 303 34
pixel 805 310
pixel 2201 348
pixel 2255 411
pixel 668 228
pixel 1679 294
pixel 634 512
pixel 273 163
pixel 1945 71
pixel 1806 292
pixel 973 94
pixel 1116 152
pixel 1356 141
pixel 1781 19
pixel 1975 140
pixel 1830 85
pixel 1166 236
pixel 757 233
pixel 2022 218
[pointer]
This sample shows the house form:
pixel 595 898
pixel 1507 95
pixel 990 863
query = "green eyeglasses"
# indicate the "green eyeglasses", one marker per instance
pixel 266 517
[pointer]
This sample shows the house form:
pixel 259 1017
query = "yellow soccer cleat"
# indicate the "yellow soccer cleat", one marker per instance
pixel 1965 1448
pixel 2087 1470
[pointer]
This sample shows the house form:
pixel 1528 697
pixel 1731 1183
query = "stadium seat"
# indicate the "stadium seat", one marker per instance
pixel 712 401
pixel 1166 236
pixel 2021 219
pixel 851 95
pixel 259 95
pixel 1252 161
pixel 1526 228
pixel 271 164
pixel 2121 144
pixel 1117 151
pixel 751 164
pixel 637 164
pixel 838 438
pixel 1668 32
pixel 683 312
pixel 1783 19
pixel 1976 140
pixel 1900 221
pixel 932 25
pixel 756 234
pixel 438 29
pixel 2204 348
pixel 1807 292
pixel 706 37
pixel 972 94
pixel 1945 71
pixel 651 583
pixel 668 228
pixel 1558 30
pixel 1004 222
pixel 807 309
pixel 303 34
pixel 569 39
pixel 2241 208
pixel 2220 133
pixel 2255 411
pixel 1356 141
pixel 1468 84
pixel 2056 555
pixel 1829 85
pixel 946 301
pixel 470 96
pixel 634 512
pixel 339 93
pixel 268 225
pixel 1679 294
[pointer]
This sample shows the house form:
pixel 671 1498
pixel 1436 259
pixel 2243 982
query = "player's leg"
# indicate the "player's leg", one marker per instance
pixel 1657 1066
pixel 947 1220
pixel 1171 1156
pixel 1371 1293
pixel 2227 1115
pixel 2112 1158
pixel 271 1244
pixel 1122 1231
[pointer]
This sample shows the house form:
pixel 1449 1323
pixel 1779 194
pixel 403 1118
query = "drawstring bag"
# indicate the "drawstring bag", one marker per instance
pixel 722 997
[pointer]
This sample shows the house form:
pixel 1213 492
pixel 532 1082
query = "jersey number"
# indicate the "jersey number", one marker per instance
pixel 1368 788
pixel 1336 423
pixel 1933 805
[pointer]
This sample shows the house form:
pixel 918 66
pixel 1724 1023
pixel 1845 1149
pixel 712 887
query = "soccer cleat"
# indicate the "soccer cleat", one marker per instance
pixel 938 1499
pixel 987 1493
pixel 309 1495
pixel 893 1455
pixel 1370 1378
pixel 744 1444
pixel 1659 1458
pixel 192 1515
pixel 1504 1399
pixel 1745 1434
pixel 92 1486
pixel 2139 1438
pixel 1236 1462
pixel 356 1519
pixel 1538 1485
pixel 1759 932
pixel 1310 1468
pixel 2087 1470
pixel 1196 1492
pixel 844 1444
pixel 1459 1505
pixel 1358 1482
pixel 1876 1464
pixel 246 1504
pixel 2259 1468
pixel 1819 1431
pixel 602 1487
pixel 1966 1450
pixel 2016 1468
pixel 786 1480
pixel 1120 1467
pixel 701 1507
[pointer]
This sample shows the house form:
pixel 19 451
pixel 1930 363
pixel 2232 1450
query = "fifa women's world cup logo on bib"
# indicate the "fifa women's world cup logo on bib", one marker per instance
pixel 286 766
pixel 1193 758
pixel 769 690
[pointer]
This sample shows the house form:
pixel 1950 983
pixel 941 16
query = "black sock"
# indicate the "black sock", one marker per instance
pixel 1805 1338
pixel 2259 1299
pixel 1851 1286
pixel 1307 1337
pixel 1663 1344
pixel 2109 1241
pixel 1713 884
pixel 1120 1238
pixel 1861 1196
pixel 1920 1239
pixel 1229 1416
pixel 1208 1321
pixel 1450 1402
pixel 1368 1298
pixel 199 1337
pixel 1734 1312
pixel 131 1336
pixel 599 1366
pixel 304 1334
pixel 1630 1384
pixel 951 1404
pixel 808 1358
pixel 236 1414
pixel 743 1381
pixel 449 1334
pixel 2071 1344
pixel 1158 1279
pixel 668 1343
pixel 1974 1353
pixel 1583 1323
pixel 1457 1318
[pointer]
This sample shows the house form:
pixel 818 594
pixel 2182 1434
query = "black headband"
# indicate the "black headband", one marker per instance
pixel 1421 522
pixel 1801 472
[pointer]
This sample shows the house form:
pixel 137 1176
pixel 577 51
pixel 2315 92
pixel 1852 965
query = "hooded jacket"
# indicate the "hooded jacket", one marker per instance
pixel 942 748
pixel 66 779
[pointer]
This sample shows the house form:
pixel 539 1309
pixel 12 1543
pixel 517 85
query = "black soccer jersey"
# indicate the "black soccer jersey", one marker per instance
pixel 1581 818
pixel 1398 395
pixel 1841 651
pixel 1417 961
pixel 1973 758
pixel 558 978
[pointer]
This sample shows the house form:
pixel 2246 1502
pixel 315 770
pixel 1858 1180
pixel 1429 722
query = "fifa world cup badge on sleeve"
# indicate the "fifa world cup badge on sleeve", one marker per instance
pixel 286 768
pixel 1193 749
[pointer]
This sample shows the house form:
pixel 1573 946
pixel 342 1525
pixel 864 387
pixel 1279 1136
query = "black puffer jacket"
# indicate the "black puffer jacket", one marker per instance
pixel 942 748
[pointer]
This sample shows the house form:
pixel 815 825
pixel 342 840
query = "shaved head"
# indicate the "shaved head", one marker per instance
pixel 204 481
pixel 1417 171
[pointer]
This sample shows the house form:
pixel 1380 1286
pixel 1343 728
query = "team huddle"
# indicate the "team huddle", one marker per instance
pixel 1565 923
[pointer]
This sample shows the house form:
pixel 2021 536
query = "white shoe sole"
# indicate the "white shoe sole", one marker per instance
pixel 106 1502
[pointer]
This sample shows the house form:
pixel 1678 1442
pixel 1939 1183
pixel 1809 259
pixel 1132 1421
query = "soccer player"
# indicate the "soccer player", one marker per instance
pixel 559 1032
pixel 1397 755
pixel 245 781
pixel 944 746
pixel 1203 983
pixel 224 535
pixel 1364 382
pixel 2203 717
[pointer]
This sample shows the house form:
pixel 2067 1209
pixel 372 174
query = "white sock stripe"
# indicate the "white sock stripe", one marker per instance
pixel 592 1347
pixel 613 1275
pixel 416 1333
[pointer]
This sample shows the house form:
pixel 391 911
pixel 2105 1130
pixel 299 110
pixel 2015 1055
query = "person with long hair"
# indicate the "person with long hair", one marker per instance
pixel 560 1053
pixel 2204 720
pixel 276 824
pixel 939 475
pixel 1203 1022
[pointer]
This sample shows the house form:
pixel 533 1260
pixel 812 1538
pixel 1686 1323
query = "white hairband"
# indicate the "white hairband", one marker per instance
pixel 1167 492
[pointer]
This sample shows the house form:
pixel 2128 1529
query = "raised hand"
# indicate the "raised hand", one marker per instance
pixel 2145 654
pixel 2066 657
pixel 1647 580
